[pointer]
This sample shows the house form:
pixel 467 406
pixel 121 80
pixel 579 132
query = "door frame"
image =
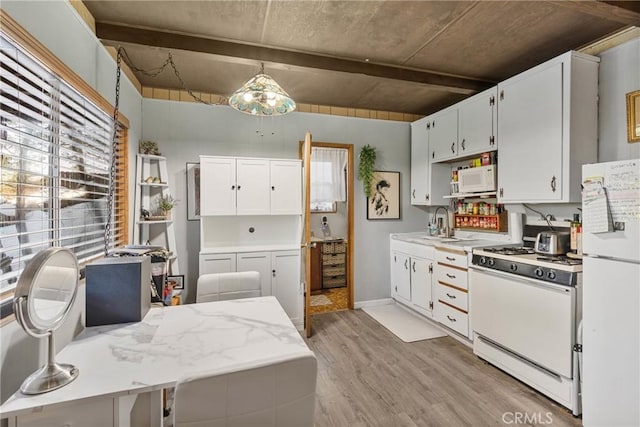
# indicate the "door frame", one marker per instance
pixel 350 209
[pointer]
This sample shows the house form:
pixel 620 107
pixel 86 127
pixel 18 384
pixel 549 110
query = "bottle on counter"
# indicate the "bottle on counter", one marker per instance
pixel 575 224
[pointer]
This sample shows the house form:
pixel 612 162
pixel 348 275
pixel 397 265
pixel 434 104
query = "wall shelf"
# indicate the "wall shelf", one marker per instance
pixel 485 195
pixel 497 223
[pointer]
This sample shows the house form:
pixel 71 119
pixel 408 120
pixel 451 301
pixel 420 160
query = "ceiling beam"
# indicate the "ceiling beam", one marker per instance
pixel 125 34
pixel 624 12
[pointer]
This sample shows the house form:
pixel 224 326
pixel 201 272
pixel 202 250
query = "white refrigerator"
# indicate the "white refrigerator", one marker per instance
pixel 611 294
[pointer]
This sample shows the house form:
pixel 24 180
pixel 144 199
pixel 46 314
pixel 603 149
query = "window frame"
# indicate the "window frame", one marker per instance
pixel 12 31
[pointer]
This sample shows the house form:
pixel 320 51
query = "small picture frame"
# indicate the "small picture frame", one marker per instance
pixel 385 200
pixel 176 281
pixel 193 191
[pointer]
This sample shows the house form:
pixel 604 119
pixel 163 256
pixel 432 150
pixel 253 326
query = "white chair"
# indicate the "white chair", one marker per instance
pixel 226 286
pixel 275 394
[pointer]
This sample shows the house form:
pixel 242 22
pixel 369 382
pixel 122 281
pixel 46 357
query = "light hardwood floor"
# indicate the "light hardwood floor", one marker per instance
pixel 369 377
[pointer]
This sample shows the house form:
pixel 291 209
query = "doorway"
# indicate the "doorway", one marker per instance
pixel 331 222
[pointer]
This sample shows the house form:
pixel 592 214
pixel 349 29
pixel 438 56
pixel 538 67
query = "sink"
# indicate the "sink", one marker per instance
pixel 434 239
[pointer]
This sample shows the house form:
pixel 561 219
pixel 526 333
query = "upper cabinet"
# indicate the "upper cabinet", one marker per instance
pixel 477 123
pixel 547 129
pixel 429 182
pixel 245 186
pixel 443 134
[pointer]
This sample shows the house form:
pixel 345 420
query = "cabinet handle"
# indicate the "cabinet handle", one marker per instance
pixel 553 183
pixel 451 319
pixel 450 296
pixel 413 193
pixel 501 192
pixel 413 266
pixel 501 95
pixel 233 187
pixel 430 268
pixel 433 124
pixel 238 187
pixel 428 126
pixel 453 144
pixel 273 273
pixel 273 188
pixel 426 196
pixel 463 141
pixel 396 288
pixel 394 259
pixel 433 154
pixel 450 259
pixel 406 267
pixel 450 276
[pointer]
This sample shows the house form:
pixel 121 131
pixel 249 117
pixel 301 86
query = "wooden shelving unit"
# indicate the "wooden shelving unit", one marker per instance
pixel 496 223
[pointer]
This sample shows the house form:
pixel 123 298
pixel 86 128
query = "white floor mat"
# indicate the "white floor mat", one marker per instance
pixel 405 325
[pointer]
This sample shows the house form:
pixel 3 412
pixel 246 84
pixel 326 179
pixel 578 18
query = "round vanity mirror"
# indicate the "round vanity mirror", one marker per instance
pixel 45 292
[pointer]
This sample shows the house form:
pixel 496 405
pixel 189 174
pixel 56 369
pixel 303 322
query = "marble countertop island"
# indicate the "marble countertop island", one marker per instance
pixel 169 343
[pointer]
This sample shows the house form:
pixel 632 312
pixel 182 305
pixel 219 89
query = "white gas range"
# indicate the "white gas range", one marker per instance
pixel 526 309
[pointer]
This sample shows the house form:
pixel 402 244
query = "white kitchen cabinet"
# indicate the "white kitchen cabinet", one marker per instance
pixel 419 162
pixel 421 284
pixel 443 135
pixel 429 182
pixel 218 185
pixel 400 276
pixel 451 285
pixel 547 129
pixel 252 187
pixel 279 275
pixel 411 275
pixel 286 187
pixel 217 263
pixel 248 186
pixel 285 284
pixel 477 123
pixel 260 262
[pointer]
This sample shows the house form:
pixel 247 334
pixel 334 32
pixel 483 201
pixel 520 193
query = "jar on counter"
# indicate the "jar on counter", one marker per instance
pixel 492 209
pixel 475 209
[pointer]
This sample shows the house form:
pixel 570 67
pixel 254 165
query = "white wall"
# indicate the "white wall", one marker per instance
pixel 56 25
pixel 186 130
pixel 619 75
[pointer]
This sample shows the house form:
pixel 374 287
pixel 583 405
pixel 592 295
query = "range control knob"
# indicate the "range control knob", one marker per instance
pixel 513 267
pixel 492 262
pixel 539 273
pixel 483 260
pixel 551 275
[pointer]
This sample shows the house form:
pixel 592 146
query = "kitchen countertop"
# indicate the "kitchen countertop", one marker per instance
pixel 466 244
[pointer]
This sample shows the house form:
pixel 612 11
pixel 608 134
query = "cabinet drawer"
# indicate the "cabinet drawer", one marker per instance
pixel 334 281
pixel 452 276
pixel 452 318
pixel 334 247
pixel 452 296
pixel 333 259
pixel 333 271
pixel 451 258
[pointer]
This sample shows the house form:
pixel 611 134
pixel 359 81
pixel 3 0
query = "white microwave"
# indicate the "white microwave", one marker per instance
pixel 477 180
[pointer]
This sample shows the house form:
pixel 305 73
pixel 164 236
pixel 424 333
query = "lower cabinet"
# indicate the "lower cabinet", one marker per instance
pixel 411 276
pixel 279 275
pixel 452 292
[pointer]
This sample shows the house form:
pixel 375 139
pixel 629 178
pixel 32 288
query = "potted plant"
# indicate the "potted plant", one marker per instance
pixel 366 168
pixel 149 147
pixel 165 204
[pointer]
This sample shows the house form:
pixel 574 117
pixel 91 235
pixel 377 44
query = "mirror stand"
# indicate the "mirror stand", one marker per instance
pixel 51 376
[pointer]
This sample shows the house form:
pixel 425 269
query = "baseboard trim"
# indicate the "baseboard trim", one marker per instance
pixel 373 302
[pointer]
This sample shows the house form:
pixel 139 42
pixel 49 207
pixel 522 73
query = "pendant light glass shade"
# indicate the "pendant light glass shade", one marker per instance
pixel 262 96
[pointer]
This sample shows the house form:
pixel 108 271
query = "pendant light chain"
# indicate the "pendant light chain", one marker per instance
pixel 114 157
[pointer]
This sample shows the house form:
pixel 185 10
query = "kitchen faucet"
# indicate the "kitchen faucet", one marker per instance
pixel 446 215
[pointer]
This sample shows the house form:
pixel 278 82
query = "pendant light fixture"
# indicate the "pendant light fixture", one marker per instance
pixel 262 96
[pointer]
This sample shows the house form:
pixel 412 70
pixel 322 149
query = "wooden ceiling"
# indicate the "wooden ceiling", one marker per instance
pixel 402 56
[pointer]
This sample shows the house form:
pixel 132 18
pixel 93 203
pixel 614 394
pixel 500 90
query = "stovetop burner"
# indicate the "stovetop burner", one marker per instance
pixel 510 250
pixel 562 259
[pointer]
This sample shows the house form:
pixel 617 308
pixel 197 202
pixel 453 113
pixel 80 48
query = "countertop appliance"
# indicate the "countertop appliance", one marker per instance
pixel 526 310
pixel 611 319
pixel 552 242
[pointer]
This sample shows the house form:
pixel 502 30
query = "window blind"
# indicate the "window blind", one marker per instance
pixel 55 152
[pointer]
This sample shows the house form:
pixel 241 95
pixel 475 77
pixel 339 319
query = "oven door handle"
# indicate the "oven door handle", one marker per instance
pixel 525 280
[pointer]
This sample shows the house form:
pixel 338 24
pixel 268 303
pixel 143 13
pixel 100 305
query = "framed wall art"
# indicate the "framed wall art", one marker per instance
pixel 385 200
pixel 193 191
pixel 176 282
